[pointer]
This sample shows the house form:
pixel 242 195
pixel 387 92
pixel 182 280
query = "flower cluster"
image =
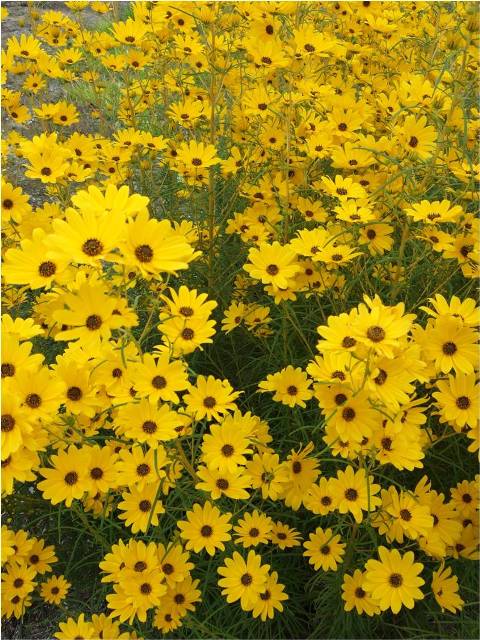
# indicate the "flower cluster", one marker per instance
pixel 240 335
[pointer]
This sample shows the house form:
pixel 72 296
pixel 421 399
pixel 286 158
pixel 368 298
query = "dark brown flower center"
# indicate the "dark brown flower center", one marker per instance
pixel 187 334
pixel 325 550
pixel 96 473
pixel 8 370
pixel 351 494
pixel 292 390
pixel 47 269
pixel 348 342
pixel 8 422
pixel 93 322
pixel 348 414
pixel 71 478
pixel 375 334
pixel 209 402
pixel 246 579
pixel 206 531
pixel 359 592
pixel 92 247
pixel 145 505
pixel 33 400
pixel 168 568
pixel 405 515
pixel 395 580
pixel 227 450
pixel 272 269
pixel 144 253
pixel 159 382
pixel 143 469
pixel 296 467
pixel 449 348
pixel 222 484
pixel 74 393
pixel 413 141
pixel 463 402
pixel 140 566
pixel 149 426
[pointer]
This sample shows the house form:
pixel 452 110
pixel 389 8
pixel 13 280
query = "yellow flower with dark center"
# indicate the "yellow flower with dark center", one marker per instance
pixel 270 599
pixel 355 596
pixel 226 446
pixel 174 563
pixel 272 264
pixel 416 137
pixel 67 479
pixel 223 483
pixel 457 399
pixel 145 422
pixel 160 378
pixel 138 467
pixel 55 589
pixel 355 492
pixel 324 550
pixel 394 579
pixel 243 580
pixel 79 628
pixel 210 398
pixel 205 528
pixel 445 590
pixel 141 508
pixel 450 344
pixel 253 529
pixel 153 247
pixel 290 386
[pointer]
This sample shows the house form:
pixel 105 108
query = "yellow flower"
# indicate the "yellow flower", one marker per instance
pixel 55 589
pixel 210 398
pixel 243 580
pixel 355 493
pixel 394 580
pixel 205 528
pixel 324 550
pixel 290 386
pixel 141 508
pixel 272 264
pixel 445 590
pixel 355 595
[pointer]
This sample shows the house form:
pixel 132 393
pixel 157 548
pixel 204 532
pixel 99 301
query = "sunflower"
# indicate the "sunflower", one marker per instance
pixel 174 563
pixel 445 590
pixel 343 188
pixel 152 247
pixel 464 496
pixel 394 579
pixel 68 478
pixel 182 336
pixel 290 386
pixel 243 580
pixel 324 550
pixel 205 528
pixel 284 536
pixel 79 628
pixel 226 447
pixel 270 599
pixel 223 483
pixel 449 344
pixel 253 529
pixel 40 557
pixel 416 137
pixel 320 497
pixel 194 157
pixel 355 596
pixel 160 378
pixel 133 598
pixel 141 508
pixel 140 468
pixel 86 237
pixel 354 492
pixel 17 425
pixel 434 212
pixel 39 392
pixel 18 580
pixel 273 264
pixel 181 597
pixel 210 398
pixel 14 202
pixel 267 473
pixel 145 422
pixel 88 314
pixel 55 589
pixel 411 517
pixel 303 471
pixel 457 399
